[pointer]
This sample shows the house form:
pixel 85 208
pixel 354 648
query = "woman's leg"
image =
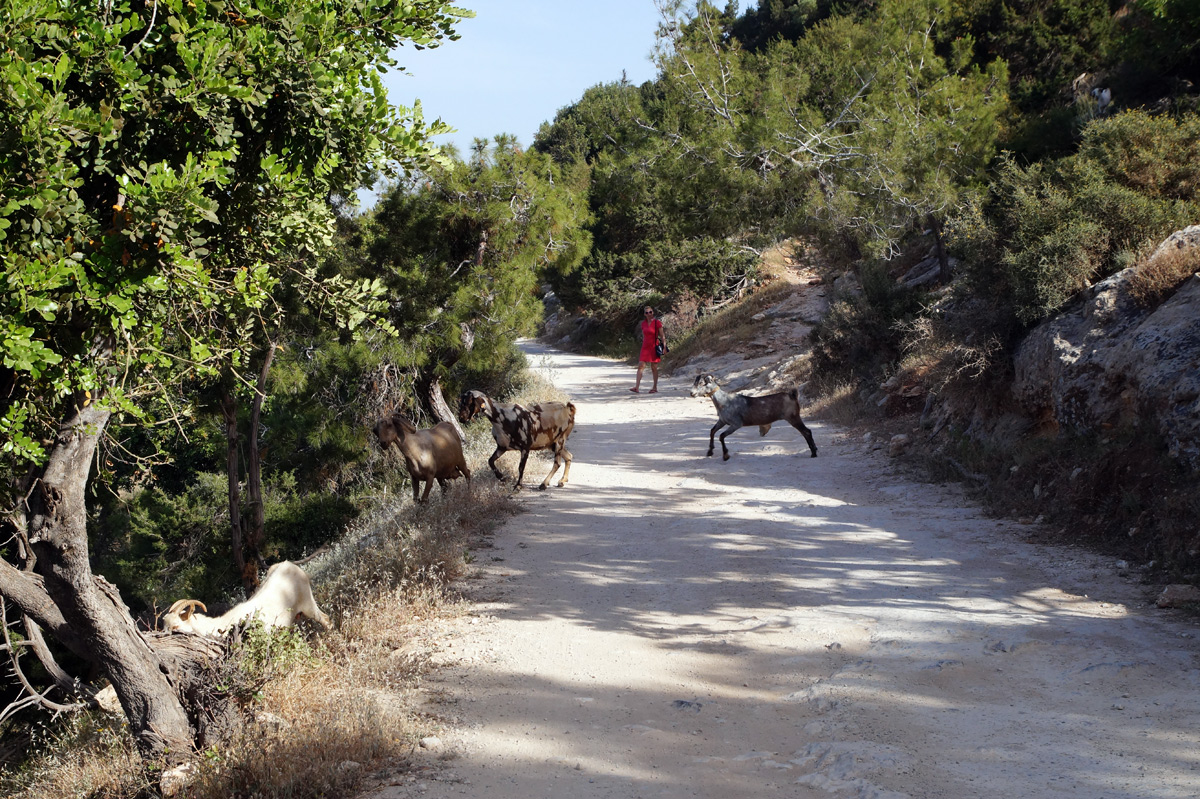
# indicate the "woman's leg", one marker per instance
pixel 641 368
pixel 654 371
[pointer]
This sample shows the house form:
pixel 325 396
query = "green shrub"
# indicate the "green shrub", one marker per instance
pixel 157 546
pixel 1047 231
pixel 862 334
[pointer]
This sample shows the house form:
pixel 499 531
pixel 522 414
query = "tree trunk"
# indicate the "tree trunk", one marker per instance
pixel 96 623
pixel 254 539
pixel 939 246
pixel 229 411
pixel 437 404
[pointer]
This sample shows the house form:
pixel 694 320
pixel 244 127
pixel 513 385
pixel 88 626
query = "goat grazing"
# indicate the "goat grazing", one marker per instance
pixel 544 426
pixel 285 594
pixel 433 454
pixel 739 410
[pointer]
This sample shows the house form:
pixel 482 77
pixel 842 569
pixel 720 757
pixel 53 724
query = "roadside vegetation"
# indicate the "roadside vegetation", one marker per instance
pixel 200 329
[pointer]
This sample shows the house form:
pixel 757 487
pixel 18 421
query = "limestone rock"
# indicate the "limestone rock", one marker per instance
pixel 899 444
pixel 1106 362
pixel 175 780
pixel 1178 595
pixel 106 698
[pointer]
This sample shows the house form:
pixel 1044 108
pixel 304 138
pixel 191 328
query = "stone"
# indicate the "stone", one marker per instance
pixel 1178 595
pixel 270 721
pixel 106 698
pixel 175 780
pixel 899 444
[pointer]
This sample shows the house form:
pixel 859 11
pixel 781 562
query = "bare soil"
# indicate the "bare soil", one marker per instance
pixel 669 624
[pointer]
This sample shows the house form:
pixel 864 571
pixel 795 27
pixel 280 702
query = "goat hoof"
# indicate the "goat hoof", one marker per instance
pixel 726 456
pixel 542 487
pixel 814 453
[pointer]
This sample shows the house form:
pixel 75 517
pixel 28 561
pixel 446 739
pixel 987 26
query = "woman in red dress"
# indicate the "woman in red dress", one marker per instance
pixel 652 336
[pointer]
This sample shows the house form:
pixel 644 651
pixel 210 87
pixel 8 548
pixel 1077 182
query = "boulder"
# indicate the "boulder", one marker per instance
pixel 1106 362
pixel 1178 595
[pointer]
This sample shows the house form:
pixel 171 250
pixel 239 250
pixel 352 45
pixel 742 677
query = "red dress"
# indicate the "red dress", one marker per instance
pixel 650 334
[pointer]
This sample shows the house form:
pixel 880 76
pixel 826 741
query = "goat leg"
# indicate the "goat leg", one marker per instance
pixel 521 470
pixel 566 469
pixel 492 463
pixel 553 469
pixel 725 449
pixel 711 434
pixel 559 450
pixel 804 431
pixel 428 487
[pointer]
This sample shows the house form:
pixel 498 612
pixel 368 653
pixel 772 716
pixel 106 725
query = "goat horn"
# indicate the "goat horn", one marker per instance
pixel 186 607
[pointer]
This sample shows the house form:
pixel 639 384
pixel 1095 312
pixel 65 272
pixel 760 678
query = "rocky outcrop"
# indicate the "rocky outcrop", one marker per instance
pixel 1107 362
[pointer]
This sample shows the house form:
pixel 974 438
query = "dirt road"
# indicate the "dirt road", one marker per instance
pixel 670 625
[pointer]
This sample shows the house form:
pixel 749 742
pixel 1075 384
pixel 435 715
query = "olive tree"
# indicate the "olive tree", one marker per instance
pixel 166 166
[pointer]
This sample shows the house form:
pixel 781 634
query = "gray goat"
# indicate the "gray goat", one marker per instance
pixel 739 410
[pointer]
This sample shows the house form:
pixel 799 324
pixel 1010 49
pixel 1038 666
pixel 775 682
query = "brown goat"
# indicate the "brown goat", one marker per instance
pixel 433 454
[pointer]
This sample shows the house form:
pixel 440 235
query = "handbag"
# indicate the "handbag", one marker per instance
pixel 658 350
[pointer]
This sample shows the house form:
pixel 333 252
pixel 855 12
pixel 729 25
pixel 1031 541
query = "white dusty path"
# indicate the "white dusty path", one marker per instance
pixel 670 625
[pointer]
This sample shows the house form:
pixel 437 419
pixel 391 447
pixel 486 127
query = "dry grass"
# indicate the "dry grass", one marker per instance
pixel 730 328
pixel 835 403
pixel 1157 277
pixel 538 386
pixel 85 755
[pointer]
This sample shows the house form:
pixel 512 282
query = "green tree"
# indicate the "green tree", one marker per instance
pixel 1048 230
pixel 461 249
pixel 862 118
pixel 165 168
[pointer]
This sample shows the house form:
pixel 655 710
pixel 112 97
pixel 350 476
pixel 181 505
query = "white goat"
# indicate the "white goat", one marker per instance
pixel 740 410
pixel 285 594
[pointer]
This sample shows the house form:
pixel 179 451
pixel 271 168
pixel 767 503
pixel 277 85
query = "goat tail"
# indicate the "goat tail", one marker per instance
pixel 795 396
pixel 571 410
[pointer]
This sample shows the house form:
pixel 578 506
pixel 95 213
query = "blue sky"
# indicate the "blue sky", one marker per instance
pixel 519 61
